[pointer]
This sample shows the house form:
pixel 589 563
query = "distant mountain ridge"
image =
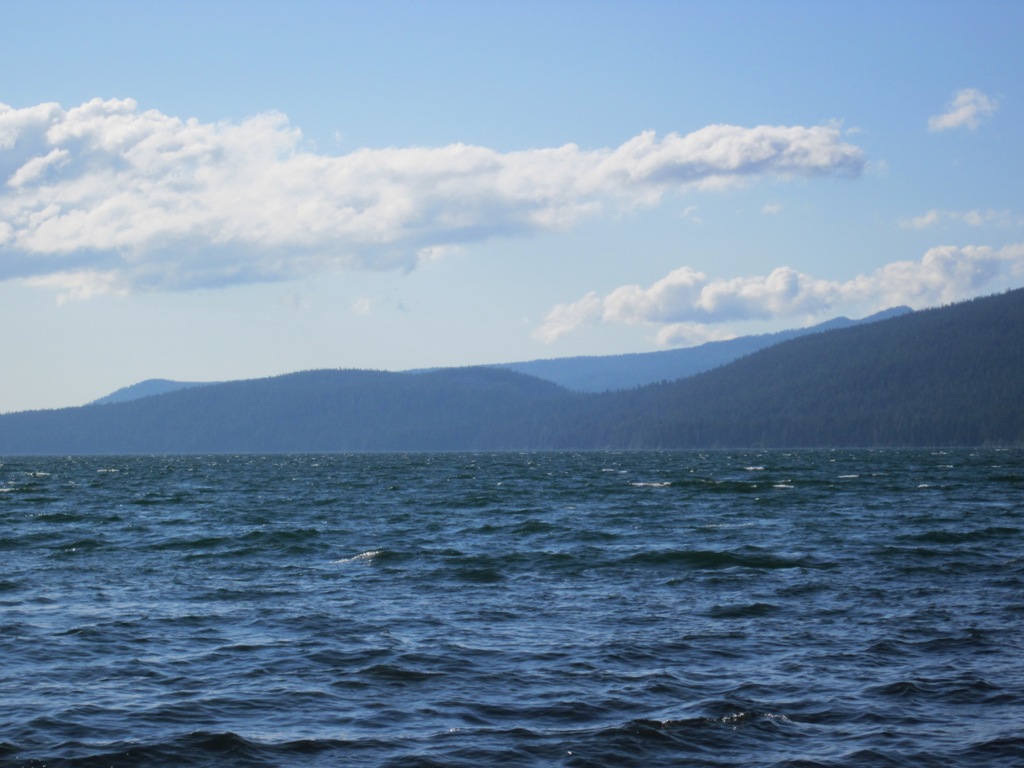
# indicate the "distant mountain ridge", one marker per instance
pixel 949 376
pixel 147 388
pixel 597 373
pixel 610 372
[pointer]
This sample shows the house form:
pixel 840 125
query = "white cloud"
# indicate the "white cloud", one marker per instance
pixel 690 335
pixel 83 284
pixel 967 109
pixel 923 221
pixel 974 218
pixel 684 302
pixel 771 208
pixel 152 201
pixel 689 214
pixel 37 166
pixel 565 318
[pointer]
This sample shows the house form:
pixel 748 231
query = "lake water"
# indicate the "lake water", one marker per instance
pixel 818 608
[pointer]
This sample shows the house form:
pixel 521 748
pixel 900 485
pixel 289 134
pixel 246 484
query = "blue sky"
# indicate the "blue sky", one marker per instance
pixel 220 190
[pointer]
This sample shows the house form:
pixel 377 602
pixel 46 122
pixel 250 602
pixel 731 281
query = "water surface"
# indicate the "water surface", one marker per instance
pixel 818 608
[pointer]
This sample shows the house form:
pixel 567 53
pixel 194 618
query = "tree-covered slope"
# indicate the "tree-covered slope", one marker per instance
pixel 602 373
pixel 146 388
pixel 947 376
pixel 464 409
pixel 592 373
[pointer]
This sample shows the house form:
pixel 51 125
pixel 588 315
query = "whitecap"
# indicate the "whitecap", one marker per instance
pixel 370 555
pixel 744 716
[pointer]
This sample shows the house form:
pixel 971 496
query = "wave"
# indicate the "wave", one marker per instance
pixel 715 559
pixel 499 610
pixel 362 557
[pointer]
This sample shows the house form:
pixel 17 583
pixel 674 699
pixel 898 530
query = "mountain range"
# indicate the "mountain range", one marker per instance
pixel 608 372
pixel 597 373
pixel 939 377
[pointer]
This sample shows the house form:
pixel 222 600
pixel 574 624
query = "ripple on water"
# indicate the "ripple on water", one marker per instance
pixel 550 609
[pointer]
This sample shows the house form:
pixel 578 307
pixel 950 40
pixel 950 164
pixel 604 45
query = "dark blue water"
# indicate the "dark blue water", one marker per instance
pixel 708 609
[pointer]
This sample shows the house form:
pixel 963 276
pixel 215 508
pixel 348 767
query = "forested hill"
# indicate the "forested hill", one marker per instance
pixel 310 411
pixel 597 373
pixel 602 373
pixel 947 376
pixel 146 388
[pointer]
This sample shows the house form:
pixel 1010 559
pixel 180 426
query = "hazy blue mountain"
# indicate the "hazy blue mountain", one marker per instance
pixel 609 372
pixel 145 388
pixel 309 411
pixel 595 373
pixel 939 377
pixel 950 376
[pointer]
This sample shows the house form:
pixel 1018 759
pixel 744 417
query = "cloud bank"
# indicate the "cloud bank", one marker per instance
pixel 968 108
pixel 106 198
pixel 973 218
pixel 686 304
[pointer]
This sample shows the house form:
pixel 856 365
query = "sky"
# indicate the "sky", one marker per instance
pixel 209 191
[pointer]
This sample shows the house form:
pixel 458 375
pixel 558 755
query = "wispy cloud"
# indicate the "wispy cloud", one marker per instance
pixel 690 214
pixel 691 334
pixel 974 218
pixel 968 108
pixel 107 198
pixel 684 304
